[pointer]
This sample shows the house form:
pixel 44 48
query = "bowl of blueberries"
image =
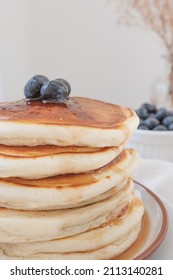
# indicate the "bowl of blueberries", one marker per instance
pixel 154 136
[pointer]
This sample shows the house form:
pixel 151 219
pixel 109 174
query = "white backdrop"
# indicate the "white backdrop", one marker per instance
pixel 77 40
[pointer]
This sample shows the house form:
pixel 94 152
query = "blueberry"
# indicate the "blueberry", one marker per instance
pixel 170 113
pixel 161 113
pixel 143 127
pixel 167 120
pixel 142 113
pixel 66 84
pixel 149 107
pixel 54 92
pixel 33 87
pixel 151 115
pixel 160 127
pixel 151 122
pixel 170 127
pixel 141 121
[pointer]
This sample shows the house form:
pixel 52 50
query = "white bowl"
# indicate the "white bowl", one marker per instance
pixel 153 144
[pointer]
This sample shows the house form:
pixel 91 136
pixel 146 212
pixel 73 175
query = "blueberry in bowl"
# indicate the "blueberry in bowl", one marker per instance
pixel 154 137
pixel 153 118
pixel 151 122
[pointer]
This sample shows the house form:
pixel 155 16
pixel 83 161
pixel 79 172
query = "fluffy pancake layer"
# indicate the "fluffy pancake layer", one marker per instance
pixel 67 191
pixel 80 122
pixel 52 165
pixel 108 240
pixel 30 226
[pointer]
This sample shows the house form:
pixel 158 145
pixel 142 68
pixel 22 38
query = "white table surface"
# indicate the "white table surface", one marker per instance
pixel 157 175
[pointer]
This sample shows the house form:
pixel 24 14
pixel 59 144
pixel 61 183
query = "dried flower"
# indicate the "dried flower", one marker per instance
pixel 157 15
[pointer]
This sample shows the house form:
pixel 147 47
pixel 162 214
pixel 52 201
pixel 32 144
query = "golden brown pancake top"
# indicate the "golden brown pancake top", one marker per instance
pixel 77 111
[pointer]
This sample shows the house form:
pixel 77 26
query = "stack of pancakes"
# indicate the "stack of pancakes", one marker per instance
pixel 66 189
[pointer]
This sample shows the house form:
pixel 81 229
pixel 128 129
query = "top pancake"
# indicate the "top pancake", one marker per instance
pixel 77 111
pixel 79 122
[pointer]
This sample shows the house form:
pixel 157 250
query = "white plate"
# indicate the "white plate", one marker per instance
pixel 165 250
pixel 154 228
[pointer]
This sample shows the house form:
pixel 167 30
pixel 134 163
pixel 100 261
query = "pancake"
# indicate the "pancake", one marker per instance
pixel 33 167
pixel 71 190
pixel 30 226
pixel 104 242
pixel 79 122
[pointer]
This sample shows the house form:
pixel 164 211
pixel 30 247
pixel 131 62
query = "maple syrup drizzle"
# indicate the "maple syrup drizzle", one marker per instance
pixel 133 250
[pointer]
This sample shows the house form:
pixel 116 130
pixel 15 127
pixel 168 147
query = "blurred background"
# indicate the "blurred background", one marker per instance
pixel 81 42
